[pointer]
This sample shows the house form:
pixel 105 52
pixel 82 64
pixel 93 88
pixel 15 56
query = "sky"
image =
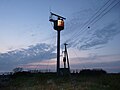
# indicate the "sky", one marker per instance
pixel 27 38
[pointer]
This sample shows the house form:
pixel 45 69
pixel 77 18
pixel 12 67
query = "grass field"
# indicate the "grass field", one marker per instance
pixel 52 82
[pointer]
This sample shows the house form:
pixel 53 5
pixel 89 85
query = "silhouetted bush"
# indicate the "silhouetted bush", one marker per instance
pixel 92 72
pixel 18 69
pixel 24 73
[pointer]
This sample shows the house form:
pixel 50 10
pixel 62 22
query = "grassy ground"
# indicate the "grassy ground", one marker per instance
pixel 52 82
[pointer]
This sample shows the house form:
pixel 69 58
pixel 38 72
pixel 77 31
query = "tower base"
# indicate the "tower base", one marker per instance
pixel 64 71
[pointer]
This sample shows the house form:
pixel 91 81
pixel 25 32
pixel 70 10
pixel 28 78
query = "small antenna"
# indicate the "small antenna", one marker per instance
pixel 57 15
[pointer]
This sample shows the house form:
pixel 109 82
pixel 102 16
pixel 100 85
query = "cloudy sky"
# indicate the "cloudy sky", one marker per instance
pixel 28 40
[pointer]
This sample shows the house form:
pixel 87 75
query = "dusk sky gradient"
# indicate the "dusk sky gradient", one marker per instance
pixel 25 26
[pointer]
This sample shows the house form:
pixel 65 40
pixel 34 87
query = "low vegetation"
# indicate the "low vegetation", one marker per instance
pixel 49 81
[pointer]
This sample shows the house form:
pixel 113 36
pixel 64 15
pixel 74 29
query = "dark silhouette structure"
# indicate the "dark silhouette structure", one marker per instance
pixel 66 69
pixel 58 26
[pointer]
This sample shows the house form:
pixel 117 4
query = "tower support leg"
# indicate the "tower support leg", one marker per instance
pixel 58 52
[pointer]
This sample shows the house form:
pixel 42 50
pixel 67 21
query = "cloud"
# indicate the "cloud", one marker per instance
pixel 101 36
pixel 78 35
pixel 110 63
pixel 33 53
pixel 96 59
pixel 49 64
pixel 95 38
pixel 75 24
pixel 110 67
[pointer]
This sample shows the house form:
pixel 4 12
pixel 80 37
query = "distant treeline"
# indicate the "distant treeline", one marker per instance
pixel 81 72
pixel 93 72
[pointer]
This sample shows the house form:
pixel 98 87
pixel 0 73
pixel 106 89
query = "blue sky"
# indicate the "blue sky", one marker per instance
pixel 24 23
